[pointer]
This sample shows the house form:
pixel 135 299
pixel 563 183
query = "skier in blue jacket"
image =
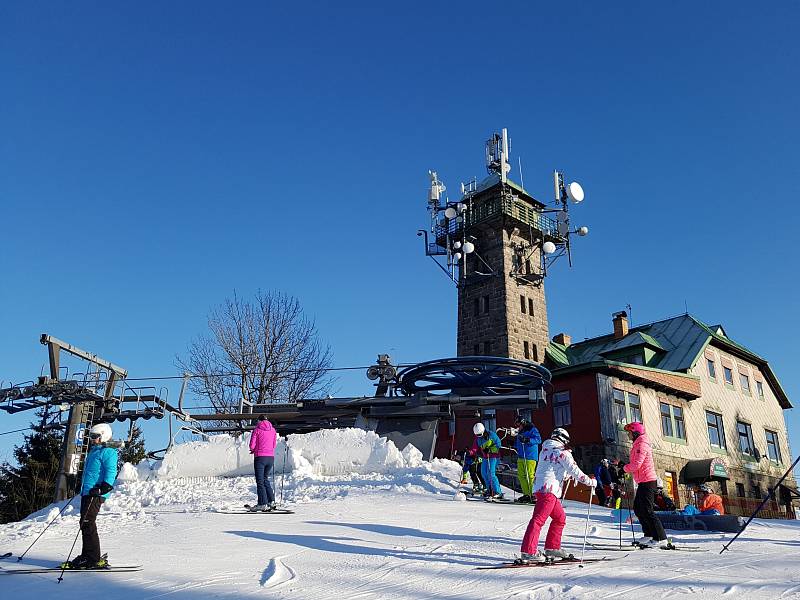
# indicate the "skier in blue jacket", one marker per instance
pixel 99 474
pixel 488 444
pixel 527 446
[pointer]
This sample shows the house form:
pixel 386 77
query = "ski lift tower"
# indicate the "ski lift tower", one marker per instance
pixel 496 243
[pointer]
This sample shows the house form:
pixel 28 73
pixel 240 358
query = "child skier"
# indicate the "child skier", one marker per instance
pixel 527 446
pixel 488 445
pixel 471 463
pixel 603 476
pixel 555 464
pixel 99 474
pixel 262 446
pixel 643 470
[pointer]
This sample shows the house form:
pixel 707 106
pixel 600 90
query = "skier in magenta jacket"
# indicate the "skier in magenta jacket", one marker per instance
pixel 643 470
pixel 262 446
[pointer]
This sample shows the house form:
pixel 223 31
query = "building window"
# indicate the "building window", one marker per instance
pixel 522 304
pixel 773 448
pixel 740 490
pixel 712 369
pixel 716 432
pixel 636 359
pixel 530 306
pixel 760 389
pixel 744 381
pixel 728 374
pixel 627 407
pixel 527 349
pixel 535 353
pixel 562 413
pixel 487 348
pixel 476 307
pixel 634 408
pixel 486 305
pixel 527 267
pixel 477 350
pixel 672 424
pixel 746 444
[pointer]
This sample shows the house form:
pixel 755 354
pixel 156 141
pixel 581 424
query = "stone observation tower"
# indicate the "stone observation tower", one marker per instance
pixel 496 243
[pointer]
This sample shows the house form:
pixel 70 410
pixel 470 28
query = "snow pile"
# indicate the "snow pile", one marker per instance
pixel 322 465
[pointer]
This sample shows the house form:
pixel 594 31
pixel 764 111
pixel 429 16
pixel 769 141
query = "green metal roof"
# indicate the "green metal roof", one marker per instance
pixel 682 340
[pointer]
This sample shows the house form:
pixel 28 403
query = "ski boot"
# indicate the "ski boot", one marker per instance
pixel 529 559
pixel 523 500
pixel 271 506
pixel 643 542
pixel 258 508
pixel 557 554
pixel 79 562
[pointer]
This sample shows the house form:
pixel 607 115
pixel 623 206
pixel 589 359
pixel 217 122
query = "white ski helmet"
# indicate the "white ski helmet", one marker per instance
pixel 560 435
pixel 103 430
pixel 478 429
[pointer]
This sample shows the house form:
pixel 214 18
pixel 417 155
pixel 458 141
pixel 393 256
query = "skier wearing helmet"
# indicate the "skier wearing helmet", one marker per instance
pixel 555 464
pixel 643 470
pixel 487 444
pixel 99 474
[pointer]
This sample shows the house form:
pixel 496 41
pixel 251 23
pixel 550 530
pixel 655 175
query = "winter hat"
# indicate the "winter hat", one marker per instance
pixel 705 489
pixel 478 429
pixel 604 462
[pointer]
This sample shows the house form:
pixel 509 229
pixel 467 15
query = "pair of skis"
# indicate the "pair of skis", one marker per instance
pixel 675 547
pixel 572 560
pixel 247 511
pixel 34 570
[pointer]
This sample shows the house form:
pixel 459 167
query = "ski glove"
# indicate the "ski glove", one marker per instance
pixel 101 489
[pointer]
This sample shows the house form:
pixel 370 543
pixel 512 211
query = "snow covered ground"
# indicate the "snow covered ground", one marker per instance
pixel 370 522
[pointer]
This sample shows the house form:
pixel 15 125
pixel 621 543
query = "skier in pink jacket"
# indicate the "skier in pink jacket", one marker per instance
pixel 555 464
pixel 262 446
pixel 643 470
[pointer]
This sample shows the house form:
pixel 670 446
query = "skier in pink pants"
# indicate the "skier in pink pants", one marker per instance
pixel 555 464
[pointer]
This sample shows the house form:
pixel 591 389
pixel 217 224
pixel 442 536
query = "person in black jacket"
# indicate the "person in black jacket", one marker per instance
pixel 603 476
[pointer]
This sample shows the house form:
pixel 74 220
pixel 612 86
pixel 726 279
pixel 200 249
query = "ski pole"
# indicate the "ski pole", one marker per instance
pixel 771 494
pixel 630 516
pixel 75 541
pixel 586 527
pixel 619 510
pixel 61 512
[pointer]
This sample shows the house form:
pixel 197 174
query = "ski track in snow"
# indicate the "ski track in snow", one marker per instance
pixel 276 574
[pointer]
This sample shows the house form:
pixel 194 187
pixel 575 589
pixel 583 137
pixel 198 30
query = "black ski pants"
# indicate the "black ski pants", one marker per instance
pixel 643 507
pixel 90 506
pixel 475 474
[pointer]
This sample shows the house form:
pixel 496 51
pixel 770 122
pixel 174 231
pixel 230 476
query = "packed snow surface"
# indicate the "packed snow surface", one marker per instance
pixel 370 522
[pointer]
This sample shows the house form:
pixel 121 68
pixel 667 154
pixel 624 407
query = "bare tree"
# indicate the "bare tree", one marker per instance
pixel 263 351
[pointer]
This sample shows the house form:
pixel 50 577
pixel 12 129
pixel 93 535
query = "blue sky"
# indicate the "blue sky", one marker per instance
pixel 154 158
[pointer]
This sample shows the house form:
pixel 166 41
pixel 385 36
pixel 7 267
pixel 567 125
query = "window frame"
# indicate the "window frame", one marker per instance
pixel 523 304
pixel 776 444
pixel 744 383
pixel 626 403
pixel 719 427
pixel 562 408
pixel 760 388
pixel 748 434
pixel 677 424
pixel 725 371
pixel 711 368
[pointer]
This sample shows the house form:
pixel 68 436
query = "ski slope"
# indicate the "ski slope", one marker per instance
pixel 370 522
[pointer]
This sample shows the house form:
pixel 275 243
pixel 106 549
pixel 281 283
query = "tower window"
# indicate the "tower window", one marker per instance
pixel 486 305
pixel 487 348
pixel 530 306
pixel 527 349
pixel 535 353
pixel 522 304
pixel 527 267
pixel 477 350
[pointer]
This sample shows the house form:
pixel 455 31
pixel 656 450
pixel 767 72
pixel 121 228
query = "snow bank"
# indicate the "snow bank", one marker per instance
pixel 324 452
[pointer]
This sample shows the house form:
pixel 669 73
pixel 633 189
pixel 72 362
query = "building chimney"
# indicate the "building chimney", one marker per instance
pixel 620 324
pixel 563 339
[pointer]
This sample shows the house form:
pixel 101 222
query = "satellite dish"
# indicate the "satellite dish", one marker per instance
pixel 575 192
pixel 583 231
pixel 450 213
pixel 456 245
pixel 469 247
pixel 457 255
pixel 548 247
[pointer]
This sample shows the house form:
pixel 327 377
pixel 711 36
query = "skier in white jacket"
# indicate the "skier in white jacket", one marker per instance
pixel 555 464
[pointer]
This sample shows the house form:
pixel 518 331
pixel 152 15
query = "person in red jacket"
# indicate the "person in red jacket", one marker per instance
pixel 708 502
pixel 643 470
